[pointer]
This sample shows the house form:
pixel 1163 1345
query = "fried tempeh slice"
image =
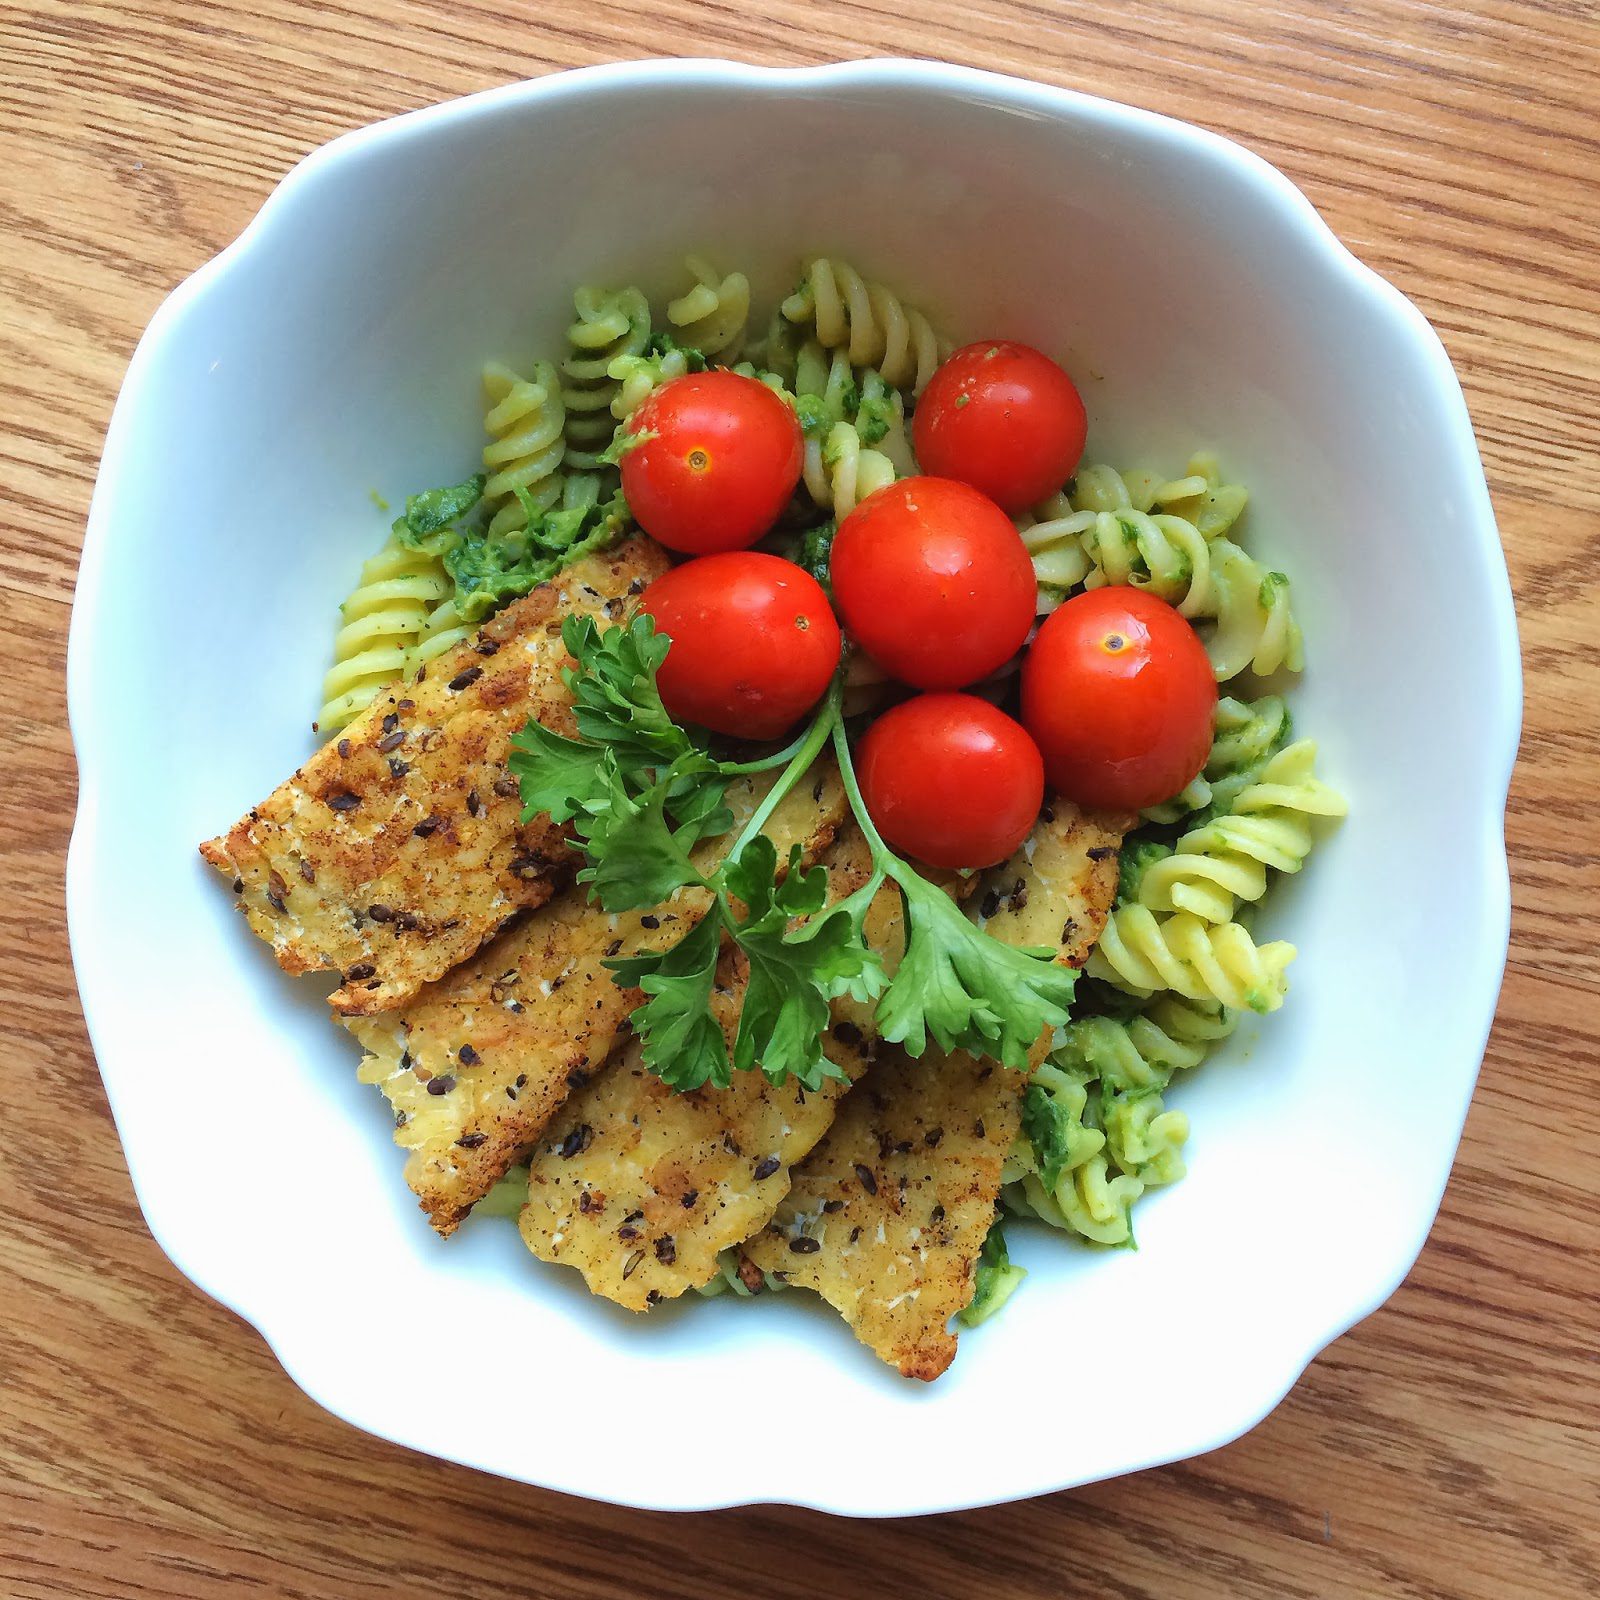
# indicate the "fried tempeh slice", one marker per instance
pixel 639 1187
pixel 1058 889
pixel 886 1217
pixel 397 849
pixel 478 1063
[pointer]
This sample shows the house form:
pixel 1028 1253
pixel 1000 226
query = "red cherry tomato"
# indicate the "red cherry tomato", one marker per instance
pixel 754 642
pixel 951 779
pixel 933 582
pixel 1119 693
pixel 1003 417
pixel 719 456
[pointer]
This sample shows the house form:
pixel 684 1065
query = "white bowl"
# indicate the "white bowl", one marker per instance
pixel 335 348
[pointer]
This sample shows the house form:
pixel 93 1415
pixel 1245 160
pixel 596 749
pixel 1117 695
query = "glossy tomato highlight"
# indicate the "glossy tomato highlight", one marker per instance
pixel 1003 417
pixel 717 459
pixel 1119 693
pixel 933 582
pixel 754 642
pixel 951 780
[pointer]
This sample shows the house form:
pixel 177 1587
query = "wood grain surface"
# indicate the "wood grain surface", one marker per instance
pixel 150 1445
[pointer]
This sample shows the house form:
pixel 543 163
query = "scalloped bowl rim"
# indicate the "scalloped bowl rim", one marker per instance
pixel 1478 991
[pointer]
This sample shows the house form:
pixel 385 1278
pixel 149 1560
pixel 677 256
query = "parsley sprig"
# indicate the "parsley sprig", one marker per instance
pixel 642 795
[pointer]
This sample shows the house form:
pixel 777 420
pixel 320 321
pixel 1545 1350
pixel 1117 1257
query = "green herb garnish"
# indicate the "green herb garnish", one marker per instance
pixel 429 519
pixel 641 793
pixel 489 569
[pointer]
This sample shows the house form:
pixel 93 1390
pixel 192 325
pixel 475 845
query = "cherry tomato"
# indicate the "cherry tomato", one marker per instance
pixel 719 456
pixel 1003 417
pixel 754 642
pixel 1119 693
pixel 933 582
pixel 951 779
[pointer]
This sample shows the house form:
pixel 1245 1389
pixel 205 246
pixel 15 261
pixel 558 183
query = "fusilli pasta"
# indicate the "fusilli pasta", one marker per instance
pixel 611 323
pixel 1143 953
pixel 382 620
pixel 846 419
pixel 1168 536
pixel 525 422
pixel 1215 866
pixel 711 316
pixel 872 325
pixel 1246 735
pixel 1053 533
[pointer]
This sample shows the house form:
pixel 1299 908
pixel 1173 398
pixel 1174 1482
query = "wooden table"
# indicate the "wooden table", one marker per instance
pixel 150 1445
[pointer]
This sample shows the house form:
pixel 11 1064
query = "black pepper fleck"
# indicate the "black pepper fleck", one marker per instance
pixel 380 913
pixel 631 1264
pixel 464 680
pixel 468 1056
pixel 864 1175
pixel 649 920
pixel 392 721
pixel 830 1206
pixel 804 1246
pixel 934 1135
pixel 362 969
pixel 308 873
pixel 1102 851
pixel 765 1168
pixel 576 1141
pixel 344 749
pixel 343 801
pixel 471 1141
pixel 426 826
pixel 488 647
pixel 391 741
pixel 666 1250
pixel 689 1199
pixel 989 905
pixel 443 1084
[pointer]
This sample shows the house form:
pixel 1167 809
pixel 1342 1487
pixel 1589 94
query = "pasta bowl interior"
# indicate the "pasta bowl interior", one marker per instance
pixel 332 357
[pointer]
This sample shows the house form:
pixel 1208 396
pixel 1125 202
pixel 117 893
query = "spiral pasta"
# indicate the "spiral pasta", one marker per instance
pixel 443 628
pixel 637 377
pixel 1144 1137
pixel 1252 623
pixel 1168 1034
pixel 525 422
pixel 846 419
pixel 1246 734
pixel 611 323
pixel 712 315
pixel 382 621
pixel 870 324
pixel 1053 534
pixel 1199 496
pixel 1169 537
pixel 1212 868
pixel 1143 953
